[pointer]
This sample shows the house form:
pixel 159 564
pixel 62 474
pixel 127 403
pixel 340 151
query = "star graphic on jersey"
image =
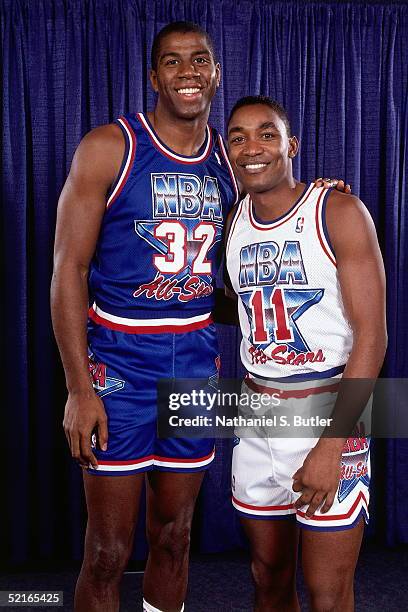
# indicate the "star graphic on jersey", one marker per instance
pixel 348 484
pixel 192 246
pixel 111 385
pixel 296 302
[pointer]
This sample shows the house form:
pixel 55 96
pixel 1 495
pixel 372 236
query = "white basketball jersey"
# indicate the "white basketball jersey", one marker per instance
pixel 290 307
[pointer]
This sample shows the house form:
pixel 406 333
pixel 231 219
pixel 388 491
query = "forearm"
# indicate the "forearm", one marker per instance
pixel 69 309
pixel 367 355
pixel 356 386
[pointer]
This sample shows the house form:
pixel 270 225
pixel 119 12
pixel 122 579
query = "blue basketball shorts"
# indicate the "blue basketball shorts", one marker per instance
pixel 125 369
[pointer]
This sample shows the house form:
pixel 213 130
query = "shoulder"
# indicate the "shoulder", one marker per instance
pixel 348 219
pixel 100 153
pixel 103 138
pixel 345 208
pixel 338 201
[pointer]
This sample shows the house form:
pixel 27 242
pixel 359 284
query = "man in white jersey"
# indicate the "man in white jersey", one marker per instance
pixel 306 266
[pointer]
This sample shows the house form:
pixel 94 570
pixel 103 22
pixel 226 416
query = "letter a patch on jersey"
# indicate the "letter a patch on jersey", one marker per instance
pixel 102 383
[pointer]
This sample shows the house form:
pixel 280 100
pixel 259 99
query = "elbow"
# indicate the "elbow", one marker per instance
pixel 373 340
pixel 67 277
pixel 68 268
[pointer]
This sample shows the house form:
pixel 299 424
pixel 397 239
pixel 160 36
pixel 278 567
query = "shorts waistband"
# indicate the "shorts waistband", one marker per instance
pixel 171 325
pixel 293 390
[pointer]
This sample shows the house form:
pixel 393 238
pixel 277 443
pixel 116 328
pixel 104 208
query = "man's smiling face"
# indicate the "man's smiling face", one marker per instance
pixel 187 76
pixel 260 148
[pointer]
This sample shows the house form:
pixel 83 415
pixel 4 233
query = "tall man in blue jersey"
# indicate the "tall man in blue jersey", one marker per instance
pixel 138 234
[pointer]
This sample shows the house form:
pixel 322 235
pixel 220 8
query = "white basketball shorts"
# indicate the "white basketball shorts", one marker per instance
pixel 262 467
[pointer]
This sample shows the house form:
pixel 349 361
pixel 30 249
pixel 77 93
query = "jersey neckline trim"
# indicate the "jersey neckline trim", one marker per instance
pixel 266 225
pixel 165 150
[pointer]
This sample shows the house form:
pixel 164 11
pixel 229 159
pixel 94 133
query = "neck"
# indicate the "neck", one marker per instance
pixel 277 201
pixel 184 136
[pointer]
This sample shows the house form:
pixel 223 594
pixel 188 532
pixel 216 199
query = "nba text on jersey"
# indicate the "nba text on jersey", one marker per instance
pixel 188 217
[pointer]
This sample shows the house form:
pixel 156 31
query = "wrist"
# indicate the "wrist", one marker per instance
pixel 84 389
pixel 331 445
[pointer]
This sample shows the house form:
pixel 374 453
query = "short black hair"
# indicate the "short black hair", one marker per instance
pixel 182 27
pixel 266 101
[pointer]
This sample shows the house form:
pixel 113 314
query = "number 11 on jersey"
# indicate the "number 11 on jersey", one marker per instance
pixel 281 327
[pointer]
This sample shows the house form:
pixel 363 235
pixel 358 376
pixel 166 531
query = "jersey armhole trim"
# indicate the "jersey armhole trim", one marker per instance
pixel 233 179
pixel 321 226
pixel 127 162
pixel 232 227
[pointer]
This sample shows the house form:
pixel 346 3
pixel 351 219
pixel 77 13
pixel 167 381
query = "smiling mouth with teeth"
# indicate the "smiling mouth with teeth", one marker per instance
pixel 189 91
pixel 254 166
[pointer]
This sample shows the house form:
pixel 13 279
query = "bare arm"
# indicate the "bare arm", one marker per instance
pixel 80 211
pixel 362 282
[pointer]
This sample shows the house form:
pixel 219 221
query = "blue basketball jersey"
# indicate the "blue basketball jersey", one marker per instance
pixel 161 236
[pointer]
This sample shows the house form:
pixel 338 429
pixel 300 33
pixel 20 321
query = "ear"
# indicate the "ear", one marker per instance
pixel 218 73
pixel 153 80
pixel 293 146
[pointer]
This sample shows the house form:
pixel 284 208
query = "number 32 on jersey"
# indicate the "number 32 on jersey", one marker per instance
pixel 183 250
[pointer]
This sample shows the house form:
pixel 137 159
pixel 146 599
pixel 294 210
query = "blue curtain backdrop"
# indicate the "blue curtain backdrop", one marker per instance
pixel 67 66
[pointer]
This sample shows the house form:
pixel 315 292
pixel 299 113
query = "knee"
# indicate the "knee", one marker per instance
pixel 107 561
pixel 331 597
pixel 276 574
pixel 171 538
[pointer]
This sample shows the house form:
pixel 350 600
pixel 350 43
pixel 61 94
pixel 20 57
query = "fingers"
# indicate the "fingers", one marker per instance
pixel 74 446
pixel 326 182
pixel 312 499
pixel 305 498
pixel 340 185
pixel 329 502
pixel 102 428
pixel 315 503
pixel 66 432
pixel 297 486
pixel 86 457
pixel 80 447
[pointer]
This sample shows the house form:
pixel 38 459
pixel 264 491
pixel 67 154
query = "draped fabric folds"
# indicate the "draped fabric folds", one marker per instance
pixel 341 70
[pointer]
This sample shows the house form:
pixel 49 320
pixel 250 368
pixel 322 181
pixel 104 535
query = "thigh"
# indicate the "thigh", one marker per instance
pixel 274 542
pixel 171 496
pixel 112 504
pixel 329 558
